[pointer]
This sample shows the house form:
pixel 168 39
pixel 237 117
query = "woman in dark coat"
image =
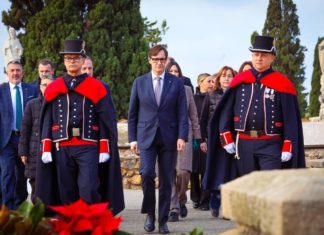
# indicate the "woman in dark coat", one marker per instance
pixel 29 145
pixel 222 81
pixel 198 196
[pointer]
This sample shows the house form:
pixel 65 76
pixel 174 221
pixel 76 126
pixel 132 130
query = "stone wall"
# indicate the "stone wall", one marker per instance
pixel 130 169
pixel 314 157
pixel 130 165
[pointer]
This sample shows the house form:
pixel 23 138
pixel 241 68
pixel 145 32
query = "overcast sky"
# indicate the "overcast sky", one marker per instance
pixel 205 35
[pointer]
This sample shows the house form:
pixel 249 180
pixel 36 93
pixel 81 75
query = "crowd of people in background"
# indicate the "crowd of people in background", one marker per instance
pixel 232 123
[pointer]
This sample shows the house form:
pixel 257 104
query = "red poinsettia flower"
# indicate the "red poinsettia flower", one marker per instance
pixel 81 217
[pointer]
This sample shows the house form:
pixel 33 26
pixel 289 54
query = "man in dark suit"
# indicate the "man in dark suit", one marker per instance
pixel 14 96
pixel 157 128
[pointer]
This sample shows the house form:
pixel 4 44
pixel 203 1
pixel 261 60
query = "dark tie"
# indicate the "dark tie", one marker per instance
pixel 157 90
pixel 18 108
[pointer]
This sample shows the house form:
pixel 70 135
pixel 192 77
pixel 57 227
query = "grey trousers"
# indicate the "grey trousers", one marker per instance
pixel 179 189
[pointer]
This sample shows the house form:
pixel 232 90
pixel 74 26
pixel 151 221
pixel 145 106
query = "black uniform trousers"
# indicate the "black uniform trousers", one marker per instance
pixel 77 173
pixel 198 194
pixel 166 163
pixel 261 154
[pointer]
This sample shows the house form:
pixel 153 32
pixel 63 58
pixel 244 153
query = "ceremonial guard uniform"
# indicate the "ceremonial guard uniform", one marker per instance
pixel 258 121
pixel 265 116
pixel 77 128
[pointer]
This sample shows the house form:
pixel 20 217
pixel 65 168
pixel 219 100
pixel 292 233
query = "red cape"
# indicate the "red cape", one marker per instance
pixel 274 80
pixel 90 88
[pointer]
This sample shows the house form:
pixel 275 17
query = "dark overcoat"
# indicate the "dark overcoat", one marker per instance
pixel 110 178
pixel 198 157
pixel 29 139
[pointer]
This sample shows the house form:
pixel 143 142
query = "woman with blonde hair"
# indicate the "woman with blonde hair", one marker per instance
pixel 198 196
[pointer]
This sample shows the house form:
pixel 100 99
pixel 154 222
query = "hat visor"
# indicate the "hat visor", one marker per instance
pixel 272 50
pixel 72 52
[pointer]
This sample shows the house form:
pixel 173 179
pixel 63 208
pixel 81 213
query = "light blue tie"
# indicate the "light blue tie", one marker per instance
pixel 157 90
pixel 18 108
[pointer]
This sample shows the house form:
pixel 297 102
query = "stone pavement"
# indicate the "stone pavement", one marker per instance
pixel 133 220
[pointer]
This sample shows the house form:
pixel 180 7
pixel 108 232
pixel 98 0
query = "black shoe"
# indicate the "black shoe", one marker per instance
pixel 163 228
pixel 173 217
pixel 214 212
pixel 183 211
pixel 149 223
pixel 195 205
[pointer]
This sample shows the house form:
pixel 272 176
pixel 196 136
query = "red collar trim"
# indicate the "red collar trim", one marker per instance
pixel 274 80
pixel 55 89
pixel 90 88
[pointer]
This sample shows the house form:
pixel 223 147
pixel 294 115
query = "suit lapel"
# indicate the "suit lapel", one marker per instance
pixel 166 87
pixel 150 87
pixel 8 94
pixel 25 93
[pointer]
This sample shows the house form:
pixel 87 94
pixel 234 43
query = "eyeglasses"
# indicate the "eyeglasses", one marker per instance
pixel 156 60
pixel 69 58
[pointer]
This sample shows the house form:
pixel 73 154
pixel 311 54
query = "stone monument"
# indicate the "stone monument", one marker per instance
pixel 12 49
pixel 277 202
pixel 321 97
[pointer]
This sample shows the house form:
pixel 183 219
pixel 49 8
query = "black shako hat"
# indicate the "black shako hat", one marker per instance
pixel 263 44
pixel 74 46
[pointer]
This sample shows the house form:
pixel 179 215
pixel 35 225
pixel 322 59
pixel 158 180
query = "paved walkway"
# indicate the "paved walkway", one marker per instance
pixel 133 220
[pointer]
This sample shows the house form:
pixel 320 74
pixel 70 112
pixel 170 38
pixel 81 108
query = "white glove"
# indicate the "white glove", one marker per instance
pixel 47 157
pixel 103 157
pixel 230 148
pixel 285 156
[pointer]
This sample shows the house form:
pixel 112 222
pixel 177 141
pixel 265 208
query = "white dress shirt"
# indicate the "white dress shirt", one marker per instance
pixel 155 81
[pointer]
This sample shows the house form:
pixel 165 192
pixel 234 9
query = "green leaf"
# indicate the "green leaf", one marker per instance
pixel 197 231
pixel 37 212
pixel 25 208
